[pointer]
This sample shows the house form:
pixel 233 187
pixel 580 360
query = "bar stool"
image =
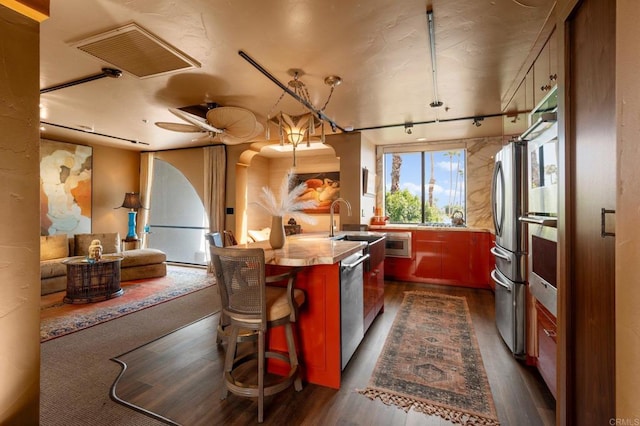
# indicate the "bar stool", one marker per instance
pixel 249 303
pixel 222 336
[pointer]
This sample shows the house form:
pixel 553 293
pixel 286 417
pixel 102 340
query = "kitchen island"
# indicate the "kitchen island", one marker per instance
pixel 318 329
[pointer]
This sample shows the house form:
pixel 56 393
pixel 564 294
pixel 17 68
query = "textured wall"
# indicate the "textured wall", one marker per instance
pixel 480 162
pixel 19 220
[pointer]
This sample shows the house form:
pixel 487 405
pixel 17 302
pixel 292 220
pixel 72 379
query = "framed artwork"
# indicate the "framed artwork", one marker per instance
pixel 65 188
pixel 323 187
pixel 368 183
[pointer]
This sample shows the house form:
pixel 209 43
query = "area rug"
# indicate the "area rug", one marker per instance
pixel 431 363
pixel 60 319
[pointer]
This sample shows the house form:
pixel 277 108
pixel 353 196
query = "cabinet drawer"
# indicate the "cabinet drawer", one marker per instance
pixel 546 362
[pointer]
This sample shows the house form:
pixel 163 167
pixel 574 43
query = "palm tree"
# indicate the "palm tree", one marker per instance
pixel 451 154
pixel 458 174
pixel 432 181
pixel 396 162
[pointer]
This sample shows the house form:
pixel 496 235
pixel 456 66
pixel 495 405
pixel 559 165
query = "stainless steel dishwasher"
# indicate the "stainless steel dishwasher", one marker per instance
pixel 351 304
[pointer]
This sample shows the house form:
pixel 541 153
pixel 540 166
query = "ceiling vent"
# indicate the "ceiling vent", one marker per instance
pixel 137 51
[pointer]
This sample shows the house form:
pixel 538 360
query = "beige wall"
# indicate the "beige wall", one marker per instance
pixel 628 200
pixel 19 220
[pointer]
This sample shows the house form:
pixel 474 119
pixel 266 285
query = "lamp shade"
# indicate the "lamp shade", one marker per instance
pixel 132 200
pixel 295 126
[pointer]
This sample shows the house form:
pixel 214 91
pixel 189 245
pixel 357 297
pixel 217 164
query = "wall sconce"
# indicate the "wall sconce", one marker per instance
pixel 133 203
pixel 408 128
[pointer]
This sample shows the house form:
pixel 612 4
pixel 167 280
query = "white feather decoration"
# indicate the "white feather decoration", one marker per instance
pixel 287 203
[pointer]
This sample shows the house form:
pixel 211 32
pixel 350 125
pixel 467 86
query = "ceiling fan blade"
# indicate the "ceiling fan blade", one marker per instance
pixel 209 138
pixel 228 139
pixel 178 127
pixel 195 120
pixel 236 122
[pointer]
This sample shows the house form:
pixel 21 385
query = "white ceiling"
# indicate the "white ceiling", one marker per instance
pixel 380 49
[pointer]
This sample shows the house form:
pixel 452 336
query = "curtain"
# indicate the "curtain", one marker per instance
pixel 215 166
pixel 146 179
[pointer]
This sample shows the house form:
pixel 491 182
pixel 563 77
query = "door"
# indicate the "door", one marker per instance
pixel 510 311
pixel 591 153
pixel 508 202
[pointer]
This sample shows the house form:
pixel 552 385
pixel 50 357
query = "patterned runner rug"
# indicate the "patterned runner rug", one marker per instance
pixel 59 319
pixel 431 362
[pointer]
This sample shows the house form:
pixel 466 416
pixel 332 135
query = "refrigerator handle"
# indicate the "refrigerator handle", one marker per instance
pixel 497 218
pixel 497 280
pixel 497 253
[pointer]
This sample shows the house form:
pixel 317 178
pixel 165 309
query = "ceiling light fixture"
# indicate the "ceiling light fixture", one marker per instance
pixel 408 128
pixel 432 44
pixel 297 127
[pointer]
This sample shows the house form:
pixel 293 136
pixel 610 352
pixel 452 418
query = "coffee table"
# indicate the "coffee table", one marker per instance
pixel 91 281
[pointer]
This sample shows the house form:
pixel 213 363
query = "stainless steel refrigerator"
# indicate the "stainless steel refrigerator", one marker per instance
pixel 509 203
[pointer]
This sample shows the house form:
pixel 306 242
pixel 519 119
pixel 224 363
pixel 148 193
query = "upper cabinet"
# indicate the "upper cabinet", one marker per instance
pixel 537 83
pixel 516 120
pixel 545 69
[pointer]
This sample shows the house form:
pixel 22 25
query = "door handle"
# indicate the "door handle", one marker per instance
pixel 497 253
pixel 603 214
pixel 356 263
pixel 498 281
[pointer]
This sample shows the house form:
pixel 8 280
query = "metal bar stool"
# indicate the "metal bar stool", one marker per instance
pixel 249 303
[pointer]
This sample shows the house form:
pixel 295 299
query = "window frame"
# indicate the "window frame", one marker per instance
pixel 424 150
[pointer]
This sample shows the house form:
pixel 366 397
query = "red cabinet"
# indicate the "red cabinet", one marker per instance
pixel 546 334
pixel 373 293
pixel 452 257
pixel 374 283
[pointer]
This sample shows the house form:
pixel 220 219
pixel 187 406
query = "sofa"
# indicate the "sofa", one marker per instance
pixel 54 249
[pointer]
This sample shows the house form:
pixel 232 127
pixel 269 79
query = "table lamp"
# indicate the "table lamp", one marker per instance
pixel 132 202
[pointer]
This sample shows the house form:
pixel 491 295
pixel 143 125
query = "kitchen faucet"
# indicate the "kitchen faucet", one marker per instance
pixel 331 234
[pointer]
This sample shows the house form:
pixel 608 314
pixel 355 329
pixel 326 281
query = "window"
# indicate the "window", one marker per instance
pixel 424 187
pixel 178 220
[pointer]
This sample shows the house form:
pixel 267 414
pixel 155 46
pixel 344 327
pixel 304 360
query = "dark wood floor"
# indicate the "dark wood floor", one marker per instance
pixel 178 377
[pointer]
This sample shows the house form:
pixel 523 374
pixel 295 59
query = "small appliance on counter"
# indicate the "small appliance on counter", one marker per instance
pixel 378 219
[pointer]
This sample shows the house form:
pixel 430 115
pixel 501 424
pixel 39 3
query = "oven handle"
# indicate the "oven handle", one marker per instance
pixel 497 253
pixel 540 220
pixel 498 280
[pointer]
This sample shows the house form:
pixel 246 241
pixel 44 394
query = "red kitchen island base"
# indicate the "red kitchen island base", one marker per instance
pixel 317 330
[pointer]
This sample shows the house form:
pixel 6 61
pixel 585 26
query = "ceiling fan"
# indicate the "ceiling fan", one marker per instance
pixel 226 124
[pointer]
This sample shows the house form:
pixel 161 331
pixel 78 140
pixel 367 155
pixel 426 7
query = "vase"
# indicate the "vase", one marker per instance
pixel 276 237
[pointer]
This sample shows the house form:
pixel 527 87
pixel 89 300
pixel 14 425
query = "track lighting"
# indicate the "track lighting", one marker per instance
pixel 477 121
pixel 408 128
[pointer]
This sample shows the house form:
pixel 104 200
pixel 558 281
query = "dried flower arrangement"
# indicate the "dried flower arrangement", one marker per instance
pixel 287 203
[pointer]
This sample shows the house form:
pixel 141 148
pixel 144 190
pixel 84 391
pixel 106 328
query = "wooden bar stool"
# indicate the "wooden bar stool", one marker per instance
pixel 248 303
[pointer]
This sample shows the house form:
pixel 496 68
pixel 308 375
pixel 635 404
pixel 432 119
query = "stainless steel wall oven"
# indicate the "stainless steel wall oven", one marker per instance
pixel 543 251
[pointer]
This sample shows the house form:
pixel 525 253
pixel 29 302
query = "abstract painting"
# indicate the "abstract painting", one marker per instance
pixel 65 188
